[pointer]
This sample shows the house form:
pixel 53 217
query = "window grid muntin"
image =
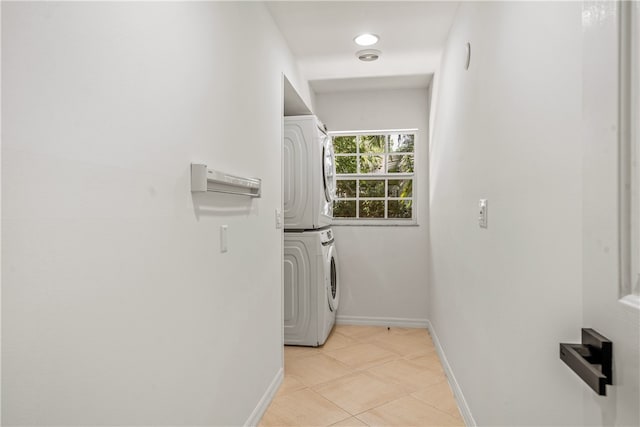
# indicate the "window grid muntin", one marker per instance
pixel 385 154
pixel 386 198
pixel 385 160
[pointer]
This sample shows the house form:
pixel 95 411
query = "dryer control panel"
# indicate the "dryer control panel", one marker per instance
pixel 326 237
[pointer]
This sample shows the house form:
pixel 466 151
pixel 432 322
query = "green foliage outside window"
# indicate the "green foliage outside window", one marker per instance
pixel 344 209
pixel 372 143
pixel 365 165
pixel 371 208
pixel 346 188
pixel 371 164
pixel 400 188
pixel 372 188
pixel 346 164
pixel 399 209
pixel 402 143
pixel 400 163
pixel 344 144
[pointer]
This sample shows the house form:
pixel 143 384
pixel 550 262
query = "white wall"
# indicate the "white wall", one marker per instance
pixel 508 129
pixel 383 269
pixel 118 307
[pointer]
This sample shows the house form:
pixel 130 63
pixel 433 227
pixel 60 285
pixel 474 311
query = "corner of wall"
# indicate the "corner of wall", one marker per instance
pixel 465 410
pixel 265 401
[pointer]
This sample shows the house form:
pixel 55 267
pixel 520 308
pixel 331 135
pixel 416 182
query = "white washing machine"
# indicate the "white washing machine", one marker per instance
pixel 309 174
pixel 311 286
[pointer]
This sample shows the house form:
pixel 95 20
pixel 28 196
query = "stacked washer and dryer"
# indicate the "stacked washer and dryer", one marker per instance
pixel 311 289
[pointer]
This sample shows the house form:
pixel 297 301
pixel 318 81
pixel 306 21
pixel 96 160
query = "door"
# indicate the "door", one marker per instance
pixel 333 289
pixel 609 298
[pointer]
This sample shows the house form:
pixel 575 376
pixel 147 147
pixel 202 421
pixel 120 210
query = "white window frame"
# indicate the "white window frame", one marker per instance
pixel 413 221
pixel 630 153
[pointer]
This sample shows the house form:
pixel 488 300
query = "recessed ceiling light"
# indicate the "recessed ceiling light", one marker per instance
pixel 366 39
pixel 368 55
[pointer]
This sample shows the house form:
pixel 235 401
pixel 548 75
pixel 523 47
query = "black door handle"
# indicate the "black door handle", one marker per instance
pixel 591 360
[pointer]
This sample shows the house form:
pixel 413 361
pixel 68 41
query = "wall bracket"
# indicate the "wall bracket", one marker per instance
pixel 591 360
pixel 204 179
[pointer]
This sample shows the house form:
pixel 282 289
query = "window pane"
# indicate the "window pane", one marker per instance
pixel 400 209
pixel 344 144
pixel 372 143
pixel 371 208
pixel 371 164
pixel 400 188
pixel 346 188
pixel 344 209
pixel 372 188
pixel 401 143
pixel 401 163
pixel 346 164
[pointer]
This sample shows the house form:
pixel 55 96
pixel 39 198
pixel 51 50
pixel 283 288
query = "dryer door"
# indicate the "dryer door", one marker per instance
pixel 331 280
pixel 329 170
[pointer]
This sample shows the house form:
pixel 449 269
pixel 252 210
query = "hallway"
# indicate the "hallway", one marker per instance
pixel 131 296
pixel 365 375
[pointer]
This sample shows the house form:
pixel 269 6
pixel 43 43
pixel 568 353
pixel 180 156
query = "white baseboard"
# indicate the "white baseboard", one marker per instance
pixel 398 322
pixel 455 387
pixel 263 404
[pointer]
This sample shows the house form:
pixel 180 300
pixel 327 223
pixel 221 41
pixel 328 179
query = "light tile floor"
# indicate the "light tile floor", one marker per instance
pixel 365 375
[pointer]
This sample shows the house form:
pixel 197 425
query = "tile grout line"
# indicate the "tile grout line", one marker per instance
pixel 406 354
pixel 436 408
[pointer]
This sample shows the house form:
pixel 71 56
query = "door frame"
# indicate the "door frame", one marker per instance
pixel 629 155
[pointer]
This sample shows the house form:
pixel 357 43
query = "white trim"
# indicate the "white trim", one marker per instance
pixel 634 139
pixel 626 187
pixel 265 401
pixel 455 387
pixel 369 132
pixel 398 322
pixel 379 222
pixel 629 156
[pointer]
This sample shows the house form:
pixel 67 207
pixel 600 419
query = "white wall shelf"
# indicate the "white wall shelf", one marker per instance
pixel 204 179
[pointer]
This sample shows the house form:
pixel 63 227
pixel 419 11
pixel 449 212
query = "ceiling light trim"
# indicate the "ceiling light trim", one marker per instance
pixel 366 39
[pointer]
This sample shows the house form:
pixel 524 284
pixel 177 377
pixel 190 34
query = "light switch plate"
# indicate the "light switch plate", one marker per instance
pixel 278 218
pixel 223 238
pixel 482 213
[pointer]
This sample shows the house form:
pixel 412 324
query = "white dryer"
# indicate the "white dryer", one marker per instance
pixel 309 174
pixel 311 286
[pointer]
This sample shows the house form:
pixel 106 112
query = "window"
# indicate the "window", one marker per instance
pixel 375 174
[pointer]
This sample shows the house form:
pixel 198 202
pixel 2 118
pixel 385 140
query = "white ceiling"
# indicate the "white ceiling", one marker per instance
pixel 320 35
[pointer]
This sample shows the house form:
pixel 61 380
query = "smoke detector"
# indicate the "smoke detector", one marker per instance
pixel 368 55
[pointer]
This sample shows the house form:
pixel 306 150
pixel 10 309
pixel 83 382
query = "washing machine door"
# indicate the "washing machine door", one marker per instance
pixel 329 170
pixel 332 282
